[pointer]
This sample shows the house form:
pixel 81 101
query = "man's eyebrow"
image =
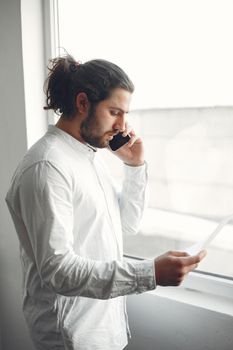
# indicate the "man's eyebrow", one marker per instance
pixel 119 109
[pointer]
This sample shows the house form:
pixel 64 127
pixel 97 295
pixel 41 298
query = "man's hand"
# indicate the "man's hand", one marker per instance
pixel 131 153
pixel 173 266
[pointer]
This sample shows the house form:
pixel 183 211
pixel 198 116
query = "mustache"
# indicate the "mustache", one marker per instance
pixel 114 132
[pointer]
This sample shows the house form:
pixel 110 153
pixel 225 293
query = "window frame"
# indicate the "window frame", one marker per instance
pixel 51 39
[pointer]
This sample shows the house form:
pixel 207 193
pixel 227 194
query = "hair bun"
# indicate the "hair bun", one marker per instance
pixel 74 66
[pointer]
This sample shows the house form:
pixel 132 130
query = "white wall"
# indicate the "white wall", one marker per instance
pixel 13 144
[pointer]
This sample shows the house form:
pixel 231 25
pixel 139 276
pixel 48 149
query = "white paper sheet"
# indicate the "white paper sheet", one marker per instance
pixel 197 247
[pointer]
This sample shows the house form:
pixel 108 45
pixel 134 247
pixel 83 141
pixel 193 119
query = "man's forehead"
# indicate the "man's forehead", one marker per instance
pixel 120 99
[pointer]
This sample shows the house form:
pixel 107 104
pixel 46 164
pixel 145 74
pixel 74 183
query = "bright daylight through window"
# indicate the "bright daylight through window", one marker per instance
pixel 179 56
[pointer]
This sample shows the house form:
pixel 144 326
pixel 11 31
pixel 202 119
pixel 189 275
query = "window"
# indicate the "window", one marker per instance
pixel 178 53
pixel 179 56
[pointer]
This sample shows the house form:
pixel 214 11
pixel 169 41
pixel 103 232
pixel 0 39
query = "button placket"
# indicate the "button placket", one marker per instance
pixel 107 205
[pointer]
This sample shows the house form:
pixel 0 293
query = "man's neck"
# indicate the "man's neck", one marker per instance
pixel 72 127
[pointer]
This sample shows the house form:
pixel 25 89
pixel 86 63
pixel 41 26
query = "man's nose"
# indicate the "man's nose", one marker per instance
pixel 120 123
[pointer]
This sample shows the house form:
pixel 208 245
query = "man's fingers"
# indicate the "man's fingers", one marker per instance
pixel 134 139
pixel 173 266
pixel 128 130
pixel 178 254
pixel 190 268
pixel 195 259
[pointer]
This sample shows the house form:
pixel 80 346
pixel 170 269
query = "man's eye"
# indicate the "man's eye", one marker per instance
pixel 115 113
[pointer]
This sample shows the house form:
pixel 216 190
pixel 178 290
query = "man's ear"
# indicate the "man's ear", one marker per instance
pixel 82 103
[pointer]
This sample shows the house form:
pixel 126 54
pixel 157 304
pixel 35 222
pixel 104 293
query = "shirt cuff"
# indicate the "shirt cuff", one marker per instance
pixel 145 276
pixel 136 173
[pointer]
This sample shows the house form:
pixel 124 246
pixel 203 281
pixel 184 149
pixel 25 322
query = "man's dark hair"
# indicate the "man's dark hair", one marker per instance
pixel 67 78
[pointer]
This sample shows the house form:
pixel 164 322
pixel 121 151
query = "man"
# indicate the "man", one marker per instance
pixel 70 218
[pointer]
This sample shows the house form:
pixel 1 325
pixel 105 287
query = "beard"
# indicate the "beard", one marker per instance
pixel 90 130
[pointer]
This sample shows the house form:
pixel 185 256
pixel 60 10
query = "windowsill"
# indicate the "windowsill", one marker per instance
pixel 200 290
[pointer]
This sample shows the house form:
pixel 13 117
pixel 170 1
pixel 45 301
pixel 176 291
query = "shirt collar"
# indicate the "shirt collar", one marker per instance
pixel 74 143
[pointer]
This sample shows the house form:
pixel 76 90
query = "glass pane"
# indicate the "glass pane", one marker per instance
pixel 189 155
pixel 178 53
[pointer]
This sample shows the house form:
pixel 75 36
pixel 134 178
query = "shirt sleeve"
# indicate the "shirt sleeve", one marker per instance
pixel 45 196
pixel 133 198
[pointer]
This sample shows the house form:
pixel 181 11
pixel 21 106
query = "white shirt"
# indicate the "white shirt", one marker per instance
pixel 69 219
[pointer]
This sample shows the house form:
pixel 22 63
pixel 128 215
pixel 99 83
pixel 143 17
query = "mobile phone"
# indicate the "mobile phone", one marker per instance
pixel 118 141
